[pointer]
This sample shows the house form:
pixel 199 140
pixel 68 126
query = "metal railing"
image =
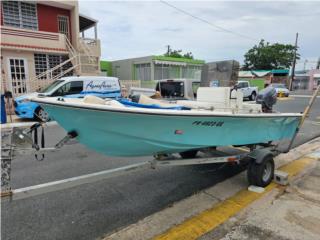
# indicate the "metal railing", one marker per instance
pixel 77 62
pixel 88 52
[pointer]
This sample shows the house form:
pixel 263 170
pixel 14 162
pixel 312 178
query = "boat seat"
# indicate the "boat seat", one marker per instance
pixel 150 101
pixel 217 95
pixel 196 105
pixel 97 100
pixel 93 99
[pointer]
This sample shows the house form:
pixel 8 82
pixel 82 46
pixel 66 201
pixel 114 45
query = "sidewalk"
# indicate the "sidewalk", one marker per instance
pixel 229 211
pixel 291 212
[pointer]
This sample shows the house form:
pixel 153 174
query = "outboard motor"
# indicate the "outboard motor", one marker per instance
pixel 267 97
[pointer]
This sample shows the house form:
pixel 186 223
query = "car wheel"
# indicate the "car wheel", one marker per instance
pixel 253 96
pixel 42 115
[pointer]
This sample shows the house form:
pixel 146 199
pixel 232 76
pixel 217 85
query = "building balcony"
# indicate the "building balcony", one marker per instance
pixel 30 40
pixel 90 45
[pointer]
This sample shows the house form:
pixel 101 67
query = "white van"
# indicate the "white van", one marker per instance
pixel 71 87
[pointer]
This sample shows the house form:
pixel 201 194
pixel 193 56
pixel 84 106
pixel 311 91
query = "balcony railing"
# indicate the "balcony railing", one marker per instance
pixel 16 38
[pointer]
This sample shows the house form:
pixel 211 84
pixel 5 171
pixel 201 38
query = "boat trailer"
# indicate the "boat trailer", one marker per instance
pixel 25 141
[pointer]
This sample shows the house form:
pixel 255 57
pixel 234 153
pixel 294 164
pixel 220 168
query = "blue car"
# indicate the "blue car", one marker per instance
pixel 71 87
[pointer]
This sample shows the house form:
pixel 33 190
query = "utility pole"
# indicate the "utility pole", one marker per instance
pixel 168 50
pixel 294 62
pixel 304 65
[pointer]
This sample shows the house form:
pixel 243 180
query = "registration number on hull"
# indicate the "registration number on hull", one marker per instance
pixel 208 123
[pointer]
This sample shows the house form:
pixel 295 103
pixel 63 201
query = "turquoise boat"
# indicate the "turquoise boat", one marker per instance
pixel 115 129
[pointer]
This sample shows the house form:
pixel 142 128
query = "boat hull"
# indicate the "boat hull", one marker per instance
pixel 120 133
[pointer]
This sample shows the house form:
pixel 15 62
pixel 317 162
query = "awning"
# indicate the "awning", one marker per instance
pixel 280 71
pixel 261 73
pixel 245 74
pixel 86 22
pixel 170 63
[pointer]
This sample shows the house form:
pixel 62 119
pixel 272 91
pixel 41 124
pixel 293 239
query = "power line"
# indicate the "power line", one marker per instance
pixel 207 22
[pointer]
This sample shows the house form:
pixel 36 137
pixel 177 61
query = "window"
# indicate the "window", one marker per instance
pixel 161 71
pixel 165 71
pixel 20 14
pixel 63 25
pixel 142 72
pixel 44 62
pixel 51 86
pixel 69 88
pixel 18 75
pixel 191 72
pixel 242 85
pixel 40 61
pixel 245 85
pixel 54 60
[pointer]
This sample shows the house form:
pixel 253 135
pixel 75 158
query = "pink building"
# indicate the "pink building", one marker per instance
pixel 314 79
pixel 42 41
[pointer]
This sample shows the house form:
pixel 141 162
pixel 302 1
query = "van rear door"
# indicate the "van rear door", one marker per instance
pixel 171 89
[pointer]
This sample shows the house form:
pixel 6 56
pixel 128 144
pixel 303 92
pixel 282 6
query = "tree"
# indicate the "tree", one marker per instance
pixel 266 56
pixel 178 54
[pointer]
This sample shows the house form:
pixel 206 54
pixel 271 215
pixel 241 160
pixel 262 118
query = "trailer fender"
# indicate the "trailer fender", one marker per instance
pixel 259 155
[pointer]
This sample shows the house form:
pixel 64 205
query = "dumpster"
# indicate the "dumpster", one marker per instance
pixel 3 110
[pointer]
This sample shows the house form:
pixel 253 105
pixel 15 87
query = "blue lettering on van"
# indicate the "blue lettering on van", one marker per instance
pixel 91 85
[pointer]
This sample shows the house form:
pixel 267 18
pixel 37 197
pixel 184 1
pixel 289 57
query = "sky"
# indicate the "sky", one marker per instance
pixel 226 29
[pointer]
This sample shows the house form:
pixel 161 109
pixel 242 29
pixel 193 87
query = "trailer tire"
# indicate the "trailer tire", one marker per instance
pixel 189 154
pixel 261 174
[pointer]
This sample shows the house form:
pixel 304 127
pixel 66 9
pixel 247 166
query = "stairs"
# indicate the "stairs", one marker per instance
pixel 90 63
pixel 80 62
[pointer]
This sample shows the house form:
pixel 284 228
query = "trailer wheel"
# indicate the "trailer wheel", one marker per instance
pixel 261 174
pixel 189 154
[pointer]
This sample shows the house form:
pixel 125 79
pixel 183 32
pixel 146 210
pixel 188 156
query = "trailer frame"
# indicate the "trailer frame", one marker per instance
pixel 19 141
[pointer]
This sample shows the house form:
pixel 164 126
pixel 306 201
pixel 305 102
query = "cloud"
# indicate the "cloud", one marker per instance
pixel 133 29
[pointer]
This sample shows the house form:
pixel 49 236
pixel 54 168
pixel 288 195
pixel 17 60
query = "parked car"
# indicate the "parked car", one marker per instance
pixel 281 89
pixel 71 87
pixel 247 90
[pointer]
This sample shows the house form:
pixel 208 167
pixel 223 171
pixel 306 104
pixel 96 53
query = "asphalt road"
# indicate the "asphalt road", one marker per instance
pixel 92 210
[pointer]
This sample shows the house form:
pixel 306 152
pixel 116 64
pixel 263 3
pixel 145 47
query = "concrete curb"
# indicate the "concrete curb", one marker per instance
pixel 161 221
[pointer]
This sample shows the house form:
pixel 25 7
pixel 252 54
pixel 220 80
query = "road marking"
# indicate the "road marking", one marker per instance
pixel 315 123
pixel 304 96
pixel 285 98
pixel 206 221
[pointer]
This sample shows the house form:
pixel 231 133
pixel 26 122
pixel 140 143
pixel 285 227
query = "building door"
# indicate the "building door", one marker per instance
pixel 63 25
pixel 18 75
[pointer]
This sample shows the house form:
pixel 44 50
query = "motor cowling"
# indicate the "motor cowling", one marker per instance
pixel 267 97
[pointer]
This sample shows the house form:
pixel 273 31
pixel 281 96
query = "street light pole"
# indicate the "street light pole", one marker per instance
pixel 294 62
